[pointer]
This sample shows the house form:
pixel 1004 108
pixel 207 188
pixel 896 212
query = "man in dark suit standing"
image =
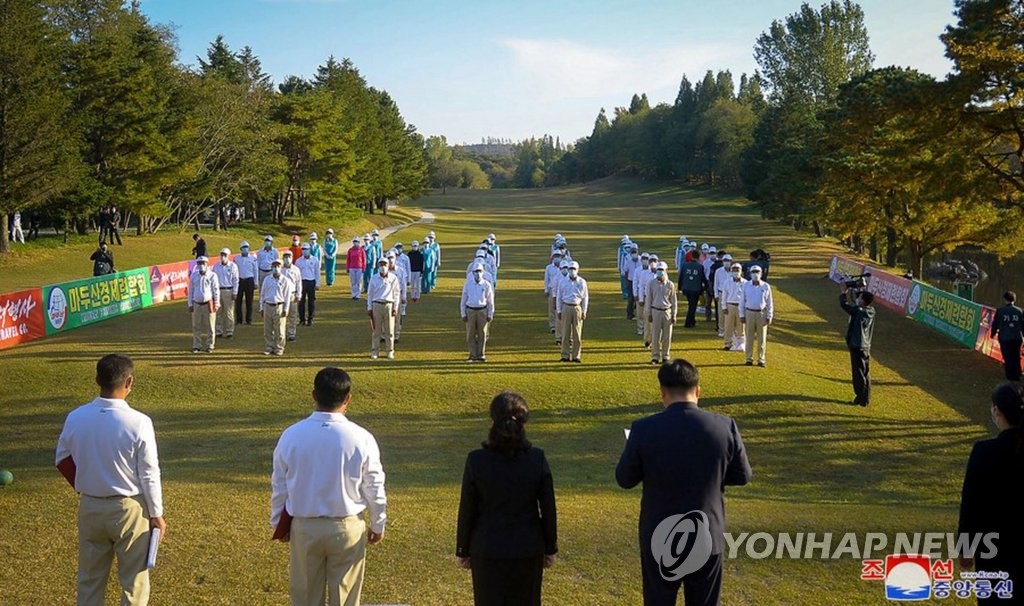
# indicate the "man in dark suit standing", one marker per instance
pixel 858 340
pixel 685 458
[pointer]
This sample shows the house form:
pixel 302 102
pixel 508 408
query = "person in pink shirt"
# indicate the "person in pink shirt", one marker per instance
pixel 355 265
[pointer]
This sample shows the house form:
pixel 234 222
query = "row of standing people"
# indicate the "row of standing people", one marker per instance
pixel 476 305
pixel 712 283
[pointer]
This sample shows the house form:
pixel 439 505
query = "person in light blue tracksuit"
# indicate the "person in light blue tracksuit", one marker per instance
pixel 426 280
pixel 372 256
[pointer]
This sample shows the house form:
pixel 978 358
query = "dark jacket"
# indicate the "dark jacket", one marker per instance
pixel 685 458
pixel 508 506
pixel 1009 323
pixel 692 278
pixel 862 324
pixel 416 261
pixel 102 262
pixel 991 501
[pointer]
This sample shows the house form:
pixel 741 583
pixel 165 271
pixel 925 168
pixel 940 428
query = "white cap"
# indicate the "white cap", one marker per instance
pixel 727 257
pixel 415 242
pixel 355 239
pixel 305 246
pixel 366 236
pixel 480 254
pixel 202 260
pixel 558 236
pixel 244 244
pixel 735 266
pixel 312 235
pixel 574 265
pixel 491 237
pixel 269 238
pixel 276 261
pixel 287 253
pixel 431 234
pixel 382 261
pixel 704 246
pixel 646 255
pixel 712 249
pixel 391 255
pixel 330 230
pixel 624 240
pixel 625 236
pixel 565 264
pixel 375 233
pixel 682 238
pixel 654 257
pixel 477 267
pixel 755 269
pixel 661 265
pixel 225 251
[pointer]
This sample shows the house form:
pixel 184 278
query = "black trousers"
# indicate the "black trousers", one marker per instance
pixel 630 302
pixel 692 299
pixel 860 365
pixel 507 582
pixel 1011 360
pixel 702 587
pixel 307 305
pixel 712 303
pixel 114 233
pixel 246 288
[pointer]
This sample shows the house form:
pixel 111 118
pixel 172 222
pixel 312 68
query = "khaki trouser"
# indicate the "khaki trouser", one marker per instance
pixel 572 331
pixel 476 332
pixel 731 325
pixel 293 319
pixel 327 553
pixel 641 318
pixel 661 334
pixel 756 327
pixel 553 320
pixel 273 327
pixel 202 326
pixel 226 313
pixel 383 328
pixel 106 528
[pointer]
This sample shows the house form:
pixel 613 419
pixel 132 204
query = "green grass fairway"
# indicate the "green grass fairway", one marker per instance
pixel 820 465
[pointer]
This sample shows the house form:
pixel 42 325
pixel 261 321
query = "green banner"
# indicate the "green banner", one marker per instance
pixel 945 312
pixel 78 303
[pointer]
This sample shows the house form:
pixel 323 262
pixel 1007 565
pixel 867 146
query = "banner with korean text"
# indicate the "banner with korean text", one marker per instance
pixel 78 303
pixel 21 317
pixel 945 312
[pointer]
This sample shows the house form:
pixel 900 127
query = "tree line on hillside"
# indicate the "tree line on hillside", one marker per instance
pixel 890 160
pixel 97 111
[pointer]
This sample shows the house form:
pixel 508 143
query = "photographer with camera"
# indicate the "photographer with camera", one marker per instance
pixel 857 301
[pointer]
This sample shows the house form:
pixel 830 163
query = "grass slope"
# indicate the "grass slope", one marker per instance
pixel 819 464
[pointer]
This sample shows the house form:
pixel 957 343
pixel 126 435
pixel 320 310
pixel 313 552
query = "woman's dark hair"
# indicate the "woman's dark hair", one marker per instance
pixel 508 414
pixel 1009 399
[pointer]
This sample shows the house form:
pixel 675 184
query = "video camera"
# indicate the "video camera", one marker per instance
pixel 856 282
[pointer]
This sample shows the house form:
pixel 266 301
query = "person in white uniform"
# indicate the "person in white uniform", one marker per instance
pixel 276 295
pixel 383 298
pixel 294 274
pixel 573 302
pixel 107 451
pixel 757 309
pixel 327 496
pixel 477 311
pixel 731 295
pixel 227 275
pixel 203 303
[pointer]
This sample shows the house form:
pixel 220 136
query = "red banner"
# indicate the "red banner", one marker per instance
pixel 890 290
pixel 21 317
pixel 169 281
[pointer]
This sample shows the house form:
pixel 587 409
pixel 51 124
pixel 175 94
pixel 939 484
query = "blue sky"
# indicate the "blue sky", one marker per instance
pixel 521 68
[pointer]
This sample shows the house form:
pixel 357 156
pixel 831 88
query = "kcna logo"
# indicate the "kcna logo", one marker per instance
pixel 681 544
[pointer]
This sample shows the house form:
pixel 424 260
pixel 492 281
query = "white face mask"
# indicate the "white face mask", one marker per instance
pixel 644 264
pixel 660 273
pixel 478 276
pixel 383 271
pixel 287 261
pixel 756 277
pixel 736 273
pixel 224 260
pixel 634 256
pixel 572 273
pixel 277 271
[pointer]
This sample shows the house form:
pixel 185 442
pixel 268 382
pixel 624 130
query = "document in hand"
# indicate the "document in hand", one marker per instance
pixel 68 469
pixel 284 526
pixel 154 545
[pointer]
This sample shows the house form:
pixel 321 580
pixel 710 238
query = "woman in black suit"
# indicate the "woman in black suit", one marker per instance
pixel 507 532
pixel 991 500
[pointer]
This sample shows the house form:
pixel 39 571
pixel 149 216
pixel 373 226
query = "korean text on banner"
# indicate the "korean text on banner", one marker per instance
pixel 21 317
pixel 169 282
pixel 81 302
pixel 945 312
pixel 890 290
pixel 841 267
